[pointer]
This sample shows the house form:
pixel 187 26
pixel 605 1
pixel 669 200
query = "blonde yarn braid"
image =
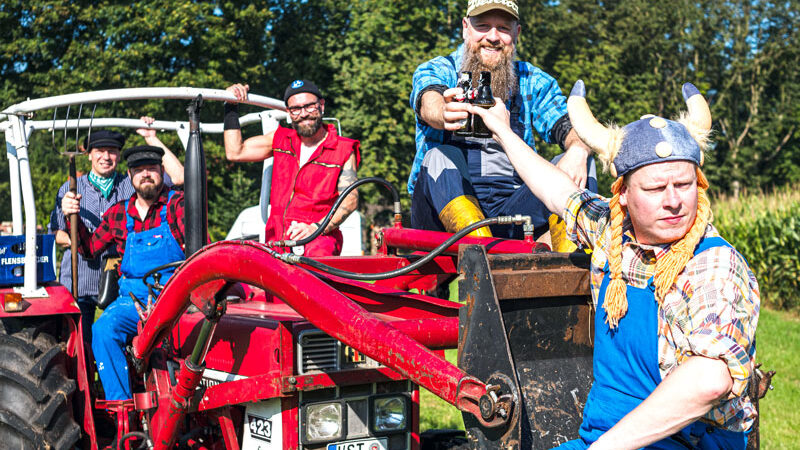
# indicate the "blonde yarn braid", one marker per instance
pixel 616 302
pixel 667 267
pixel 670 265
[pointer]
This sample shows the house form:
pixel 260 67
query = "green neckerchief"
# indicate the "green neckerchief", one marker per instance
pixel 104 184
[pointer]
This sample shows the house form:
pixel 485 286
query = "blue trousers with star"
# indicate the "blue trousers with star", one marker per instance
pixel 116 324
pixel 448 172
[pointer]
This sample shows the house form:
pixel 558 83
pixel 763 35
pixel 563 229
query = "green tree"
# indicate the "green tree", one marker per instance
pixel 634 55
pixel 384 43
pixel 51 49
pixel 751 55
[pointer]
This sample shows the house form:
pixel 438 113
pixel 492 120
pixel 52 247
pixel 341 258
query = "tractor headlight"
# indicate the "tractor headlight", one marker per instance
pixel 389 413
pixel 323 422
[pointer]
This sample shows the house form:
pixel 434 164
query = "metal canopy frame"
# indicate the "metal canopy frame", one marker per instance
pixel 17 130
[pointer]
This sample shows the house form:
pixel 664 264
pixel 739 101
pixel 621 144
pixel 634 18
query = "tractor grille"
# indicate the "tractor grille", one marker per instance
pixel 318 351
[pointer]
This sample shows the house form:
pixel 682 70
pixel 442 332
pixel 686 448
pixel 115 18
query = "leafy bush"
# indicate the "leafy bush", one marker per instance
pixel 765 228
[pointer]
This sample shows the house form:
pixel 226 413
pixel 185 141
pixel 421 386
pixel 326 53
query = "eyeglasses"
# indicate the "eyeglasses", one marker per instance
pixel 309 107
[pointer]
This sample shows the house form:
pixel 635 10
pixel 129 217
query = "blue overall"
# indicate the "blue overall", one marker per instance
pixel 479 168
pixel 144 251
pixel 626 372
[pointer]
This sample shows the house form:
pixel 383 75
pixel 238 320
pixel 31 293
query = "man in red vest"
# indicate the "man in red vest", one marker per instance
pixel 312 165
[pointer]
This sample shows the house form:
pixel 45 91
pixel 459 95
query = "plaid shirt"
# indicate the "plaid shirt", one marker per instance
pixel 93 206
pixel 113 230
pixel 712 310
pixel 542 102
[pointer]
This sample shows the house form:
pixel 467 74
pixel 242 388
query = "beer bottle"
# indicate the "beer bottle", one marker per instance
pixel 484 99
pixel 465 83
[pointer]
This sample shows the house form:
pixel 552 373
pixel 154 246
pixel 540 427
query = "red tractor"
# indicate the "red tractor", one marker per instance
pixel 247 348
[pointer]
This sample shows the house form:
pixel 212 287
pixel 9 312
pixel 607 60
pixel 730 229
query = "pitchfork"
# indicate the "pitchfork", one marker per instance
pixel 73 184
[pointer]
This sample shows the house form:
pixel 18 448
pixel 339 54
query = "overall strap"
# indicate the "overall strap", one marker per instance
pixel 165 207
pixel 128 218
pixel 710 242
pixel 162 213
pixel 452 62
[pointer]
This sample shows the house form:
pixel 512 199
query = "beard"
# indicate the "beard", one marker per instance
pixel 504 74
pixel 150 190
pixel 309 126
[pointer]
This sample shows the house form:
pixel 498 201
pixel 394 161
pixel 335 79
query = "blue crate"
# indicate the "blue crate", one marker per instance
pixel 12 259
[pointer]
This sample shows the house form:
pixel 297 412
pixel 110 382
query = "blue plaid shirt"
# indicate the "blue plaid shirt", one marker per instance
pixel 542 103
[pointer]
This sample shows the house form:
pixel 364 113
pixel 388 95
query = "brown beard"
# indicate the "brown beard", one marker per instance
pixel 150 191
pixel 308 129
pixel 504 74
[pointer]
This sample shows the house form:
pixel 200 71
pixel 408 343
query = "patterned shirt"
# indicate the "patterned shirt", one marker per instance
pixel 712 310
pixel 93 206
pixel 541 103
pixel 113 230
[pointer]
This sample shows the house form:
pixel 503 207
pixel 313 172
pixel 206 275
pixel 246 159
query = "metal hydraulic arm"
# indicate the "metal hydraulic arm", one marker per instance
pixel 325 307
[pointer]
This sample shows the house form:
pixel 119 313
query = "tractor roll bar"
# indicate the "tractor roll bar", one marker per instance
pixel 17 129
pixel 165 125
pixel 145 93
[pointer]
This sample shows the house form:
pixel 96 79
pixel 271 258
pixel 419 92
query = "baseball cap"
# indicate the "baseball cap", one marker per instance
pixel 300 86
pixel 478 7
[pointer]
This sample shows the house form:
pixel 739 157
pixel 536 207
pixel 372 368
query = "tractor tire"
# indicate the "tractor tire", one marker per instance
pixel 35 393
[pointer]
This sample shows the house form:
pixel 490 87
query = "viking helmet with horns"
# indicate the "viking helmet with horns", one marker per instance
pixel 648 140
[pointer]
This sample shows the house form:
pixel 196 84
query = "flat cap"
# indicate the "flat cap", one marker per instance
pixel 143 154
pixel 104 138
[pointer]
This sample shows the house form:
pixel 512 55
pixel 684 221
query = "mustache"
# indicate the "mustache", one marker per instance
pixel 503 70
pixel 308 126
pixel 499 46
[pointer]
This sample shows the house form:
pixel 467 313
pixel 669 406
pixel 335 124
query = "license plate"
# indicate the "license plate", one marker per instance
pixel 260 427
pixel 361 444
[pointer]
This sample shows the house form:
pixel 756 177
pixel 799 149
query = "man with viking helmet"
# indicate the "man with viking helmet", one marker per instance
pixel 677 306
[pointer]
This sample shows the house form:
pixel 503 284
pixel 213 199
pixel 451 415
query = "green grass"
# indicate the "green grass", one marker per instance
pixel 778 338
pixel 778 349
pixel 435 413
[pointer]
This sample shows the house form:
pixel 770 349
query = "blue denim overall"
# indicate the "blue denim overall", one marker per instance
pixel 626 372
pixel 144 251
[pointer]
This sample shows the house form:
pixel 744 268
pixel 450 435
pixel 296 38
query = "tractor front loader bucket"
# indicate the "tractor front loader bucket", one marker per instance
pixel 527 330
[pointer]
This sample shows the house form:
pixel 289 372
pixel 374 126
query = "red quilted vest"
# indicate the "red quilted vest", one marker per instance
pixel 305 194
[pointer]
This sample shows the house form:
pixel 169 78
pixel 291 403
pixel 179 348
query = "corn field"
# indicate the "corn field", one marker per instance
pixel 765 228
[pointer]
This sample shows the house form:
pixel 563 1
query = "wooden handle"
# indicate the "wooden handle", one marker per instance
pixel 73 228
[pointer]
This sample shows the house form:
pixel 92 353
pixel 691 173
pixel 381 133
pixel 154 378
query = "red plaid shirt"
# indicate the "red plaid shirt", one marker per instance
pixel 113 230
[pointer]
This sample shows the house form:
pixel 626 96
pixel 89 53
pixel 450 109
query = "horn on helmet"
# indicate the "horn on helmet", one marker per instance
pixel 592 132
pixel 699 113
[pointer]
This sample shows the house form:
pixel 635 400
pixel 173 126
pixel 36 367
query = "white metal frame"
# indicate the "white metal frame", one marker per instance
pixel 17 130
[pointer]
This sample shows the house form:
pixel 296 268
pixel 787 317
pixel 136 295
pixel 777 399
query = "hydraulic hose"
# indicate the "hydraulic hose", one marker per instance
pixel 134 435
pixel 323 224
pixel 342 197
pixel 295 259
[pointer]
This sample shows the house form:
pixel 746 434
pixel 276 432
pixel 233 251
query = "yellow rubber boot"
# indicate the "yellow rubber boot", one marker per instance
pixel 558 235
pixel 461 212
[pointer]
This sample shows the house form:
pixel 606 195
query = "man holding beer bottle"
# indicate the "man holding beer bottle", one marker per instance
pixel 459 177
